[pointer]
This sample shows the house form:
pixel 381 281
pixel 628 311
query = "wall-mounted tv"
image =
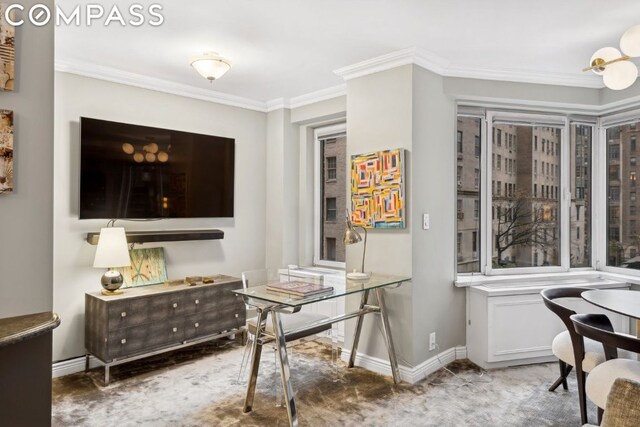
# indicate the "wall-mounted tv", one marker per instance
pixel 139 172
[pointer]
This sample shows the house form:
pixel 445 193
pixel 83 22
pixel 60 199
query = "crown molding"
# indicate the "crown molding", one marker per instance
pixel 441 66
pixel 391 60
pixel 114 75
pixel 277 104
pixel 535 77
pixel 319 95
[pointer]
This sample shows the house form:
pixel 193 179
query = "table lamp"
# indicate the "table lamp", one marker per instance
pixel 351 236
pixel 112 252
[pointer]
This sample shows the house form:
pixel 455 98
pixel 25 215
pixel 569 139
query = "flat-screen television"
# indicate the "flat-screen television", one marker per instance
pixel 139 172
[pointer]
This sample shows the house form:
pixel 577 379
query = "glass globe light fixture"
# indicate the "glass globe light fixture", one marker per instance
pixel 630 41
pixel 138 157
pixel 601 56
pixel 620 75
pixel 128 148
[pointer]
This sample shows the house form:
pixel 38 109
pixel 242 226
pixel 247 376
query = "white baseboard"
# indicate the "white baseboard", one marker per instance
pixel 71 366
pixel 409 374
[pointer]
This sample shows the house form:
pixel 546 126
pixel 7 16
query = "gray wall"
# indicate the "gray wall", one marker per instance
pixel 281 190
pixel 379 117
pixel 437 305
pixel 26 215
pixel 243 246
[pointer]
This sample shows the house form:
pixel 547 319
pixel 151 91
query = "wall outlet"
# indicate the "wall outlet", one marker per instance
pixel 432 341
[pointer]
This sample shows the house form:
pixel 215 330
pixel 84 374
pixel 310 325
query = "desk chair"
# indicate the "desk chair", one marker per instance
pixel 569 347
pixel 602 377
pixel 292 319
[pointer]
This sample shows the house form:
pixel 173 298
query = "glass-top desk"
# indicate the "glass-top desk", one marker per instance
pixel 266 301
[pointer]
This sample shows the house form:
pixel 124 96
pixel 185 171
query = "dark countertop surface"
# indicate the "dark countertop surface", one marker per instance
pixel 19 328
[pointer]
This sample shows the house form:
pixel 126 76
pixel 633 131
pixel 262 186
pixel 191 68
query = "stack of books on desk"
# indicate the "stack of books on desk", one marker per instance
pixel 299 289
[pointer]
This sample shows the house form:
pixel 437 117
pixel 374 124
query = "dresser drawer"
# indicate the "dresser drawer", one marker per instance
pixel 163 307
pixel 128 313
pixel 130 341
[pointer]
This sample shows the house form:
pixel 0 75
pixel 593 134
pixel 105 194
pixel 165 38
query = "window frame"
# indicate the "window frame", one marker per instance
pixel 605 122
pixel 320 133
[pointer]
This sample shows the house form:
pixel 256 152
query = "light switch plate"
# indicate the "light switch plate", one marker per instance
pixel 425 221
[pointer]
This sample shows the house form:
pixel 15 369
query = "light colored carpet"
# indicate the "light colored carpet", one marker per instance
pixel 199 387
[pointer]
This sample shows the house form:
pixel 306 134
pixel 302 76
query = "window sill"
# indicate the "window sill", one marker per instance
pixel 524 283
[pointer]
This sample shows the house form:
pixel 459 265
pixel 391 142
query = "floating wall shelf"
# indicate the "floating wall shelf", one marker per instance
pixel 164 236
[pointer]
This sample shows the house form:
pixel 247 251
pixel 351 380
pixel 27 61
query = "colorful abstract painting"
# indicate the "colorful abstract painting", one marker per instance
pixel 148 267
pixel 377 189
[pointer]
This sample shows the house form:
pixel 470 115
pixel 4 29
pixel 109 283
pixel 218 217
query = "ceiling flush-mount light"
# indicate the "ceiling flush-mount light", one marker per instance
pixel 615 67
pixel 210 65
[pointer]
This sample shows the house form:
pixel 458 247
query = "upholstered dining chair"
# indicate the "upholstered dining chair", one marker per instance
pixel 291 319
pixel 623 405
pixel 602 377
pixel 569 347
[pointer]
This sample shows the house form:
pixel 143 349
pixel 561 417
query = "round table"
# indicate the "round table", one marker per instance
pixel 620 301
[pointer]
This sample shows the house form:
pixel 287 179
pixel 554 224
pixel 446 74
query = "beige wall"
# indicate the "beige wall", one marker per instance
pixel 26 214
pixel 243 246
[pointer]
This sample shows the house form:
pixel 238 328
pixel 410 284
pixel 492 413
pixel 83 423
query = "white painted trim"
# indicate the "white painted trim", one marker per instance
pixel 145 82
pixel 439 65
pixel 389 61
pixel 520 76
pixel 411 375
pixel 72 366
pixel 319 95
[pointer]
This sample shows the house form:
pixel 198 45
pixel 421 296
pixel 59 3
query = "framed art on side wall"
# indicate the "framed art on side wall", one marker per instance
pixel 7 52
pixel 377 189
pixel 6 151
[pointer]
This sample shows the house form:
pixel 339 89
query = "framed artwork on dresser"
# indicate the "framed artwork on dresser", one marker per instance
pixel 148 267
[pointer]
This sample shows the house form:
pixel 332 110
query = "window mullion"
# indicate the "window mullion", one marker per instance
pixel 565 198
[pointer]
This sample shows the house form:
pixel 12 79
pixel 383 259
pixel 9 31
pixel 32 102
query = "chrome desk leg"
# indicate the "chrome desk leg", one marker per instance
pixel 255 361
pixel 387 334
pixel 285 372
pixel 356 335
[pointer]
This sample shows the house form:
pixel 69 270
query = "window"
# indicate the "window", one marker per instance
pixel 621 241
pixel 331 168
pixel 523 224
pixel 580 246
pixel 330 246
pixel 468 223
pixel 330 204
pixel 614 151
pixel 330 196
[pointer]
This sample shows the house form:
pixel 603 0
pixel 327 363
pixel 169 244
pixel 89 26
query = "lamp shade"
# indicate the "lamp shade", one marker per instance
pixel 112 249
pixel 620 75
pixel 351 236
pixel 630 41
pixel 605 54
pixel 210 65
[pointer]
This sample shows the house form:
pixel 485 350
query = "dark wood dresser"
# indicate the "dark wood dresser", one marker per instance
pixel 148 320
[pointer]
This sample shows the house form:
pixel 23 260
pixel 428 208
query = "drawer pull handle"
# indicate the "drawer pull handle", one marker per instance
pixel 123 341
pixel 175 305
pixel 175 329
pixel 236 315
pixel 123 314
pixel 196 325
pixel 197 301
